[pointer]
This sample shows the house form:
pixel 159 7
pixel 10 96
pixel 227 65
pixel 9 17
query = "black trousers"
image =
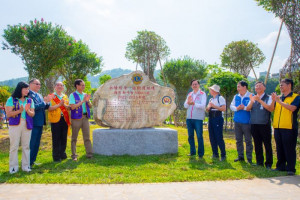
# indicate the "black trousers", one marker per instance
pixel 59 139
pixel 286 141
pixel 262 135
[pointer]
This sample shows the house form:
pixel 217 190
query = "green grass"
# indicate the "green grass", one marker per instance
pixel 133 169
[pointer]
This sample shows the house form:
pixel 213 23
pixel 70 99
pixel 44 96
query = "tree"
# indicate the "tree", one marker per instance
pixel 227 82
pixel 288 11
pixel 241 57
pixel 180 72
pixel 49 53
pixel 40 45
pixel 104 78
pixel 270 86
pixel 4 94
pixel 146 50
pixel 79 64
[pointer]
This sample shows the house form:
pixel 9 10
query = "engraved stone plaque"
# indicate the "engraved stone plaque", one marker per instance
pixel 132 101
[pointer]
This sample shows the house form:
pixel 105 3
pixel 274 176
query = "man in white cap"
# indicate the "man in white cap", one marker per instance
pixel 215 107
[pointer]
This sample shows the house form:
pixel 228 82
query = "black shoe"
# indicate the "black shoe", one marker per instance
pixel 239 159
pixel 250 162
pixel 290 173
pixel 268 167
pixel 215 157
pixel 223 158
pixel 57 160
pixel 200 157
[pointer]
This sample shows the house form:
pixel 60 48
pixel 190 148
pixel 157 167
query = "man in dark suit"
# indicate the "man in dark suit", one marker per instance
pixel 41 104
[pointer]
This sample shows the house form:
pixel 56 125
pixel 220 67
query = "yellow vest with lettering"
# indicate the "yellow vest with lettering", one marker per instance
pixel 54 115
pixel 283 118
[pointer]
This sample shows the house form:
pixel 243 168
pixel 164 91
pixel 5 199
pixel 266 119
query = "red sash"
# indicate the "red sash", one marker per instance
pixel 65 113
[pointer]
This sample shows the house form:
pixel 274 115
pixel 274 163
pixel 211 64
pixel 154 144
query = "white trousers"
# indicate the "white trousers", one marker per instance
pixel 17 133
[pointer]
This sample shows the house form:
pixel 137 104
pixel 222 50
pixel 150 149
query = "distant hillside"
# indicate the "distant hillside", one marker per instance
pixel 13 82
pixel 114 73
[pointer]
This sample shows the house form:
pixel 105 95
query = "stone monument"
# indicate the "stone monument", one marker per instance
pixel 131 105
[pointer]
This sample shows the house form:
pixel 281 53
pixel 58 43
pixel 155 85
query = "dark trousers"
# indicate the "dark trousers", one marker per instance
pixel 59 139
pixel 195 125
pixel 286 140
pixel 215 129
pixel 35 140
pixel 262 135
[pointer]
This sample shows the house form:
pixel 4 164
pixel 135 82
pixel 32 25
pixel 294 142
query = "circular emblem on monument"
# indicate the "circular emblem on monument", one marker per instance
pixel 137 79
pixel 166 100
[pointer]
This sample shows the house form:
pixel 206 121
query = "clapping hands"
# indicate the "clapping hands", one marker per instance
pixel 27 106
pixel 253 97
pixel 86 97
pixel 275 97
pixel 48 98
pixel 190 100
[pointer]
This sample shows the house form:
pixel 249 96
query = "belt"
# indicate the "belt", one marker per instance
pixel 213 114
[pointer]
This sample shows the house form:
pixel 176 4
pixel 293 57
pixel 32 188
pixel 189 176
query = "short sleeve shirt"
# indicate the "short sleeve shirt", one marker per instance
pixel 81 96
pixel 220 102
pixel 10 103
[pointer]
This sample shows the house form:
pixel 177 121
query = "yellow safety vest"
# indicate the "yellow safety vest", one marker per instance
pixel 283 118
pixel 54 115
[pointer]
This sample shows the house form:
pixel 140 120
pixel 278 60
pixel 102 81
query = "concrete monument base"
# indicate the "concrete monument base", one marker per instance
pixel 145 141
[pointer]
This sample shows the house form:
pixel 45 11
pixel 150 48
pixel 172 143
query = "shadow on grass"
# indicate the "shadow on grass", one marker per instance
pixel 260 171
pixel 201 164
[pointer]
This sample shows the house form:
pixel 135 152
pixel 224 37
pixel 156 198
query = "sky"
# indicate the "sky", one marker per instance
pixel 197 28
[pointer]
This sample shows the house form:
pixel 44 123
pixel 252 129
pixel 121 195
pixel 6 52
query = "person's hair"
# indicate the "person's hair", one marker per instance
pixel 32 80
pixel 59 82
pixel 195 80
pixel 77 82
pixel 261 83
pixel 18 91
pixel 243 84
pixel 288 81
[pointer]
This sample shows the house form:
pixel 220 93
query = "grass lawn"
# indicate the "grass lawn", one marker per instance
pixel 133 169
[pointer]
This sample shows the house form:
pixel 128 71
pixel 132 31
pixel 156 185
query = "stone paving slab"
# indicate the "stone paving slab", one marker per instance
pixel 287 188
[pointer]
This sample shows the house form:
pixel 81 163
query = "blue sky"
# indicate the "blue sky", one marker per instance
pixel 198 28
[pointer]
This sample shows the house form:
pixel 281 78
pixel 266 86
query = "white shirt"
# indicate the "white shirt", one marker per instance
pixel 219 103
pixel 201 105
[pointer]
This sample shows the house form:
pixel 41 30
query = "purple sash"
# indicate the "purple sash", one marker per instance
pixel 29 120
pixel 77 113
pixel 14 121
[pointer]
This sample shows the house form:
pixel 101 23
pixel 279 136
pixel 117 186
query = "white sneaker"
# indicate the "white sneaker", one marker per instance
pixel 27 169
pixel 13 171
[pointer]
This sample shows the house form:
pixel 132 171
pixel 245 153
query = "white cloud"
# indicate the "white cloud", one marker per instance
pixel 270 39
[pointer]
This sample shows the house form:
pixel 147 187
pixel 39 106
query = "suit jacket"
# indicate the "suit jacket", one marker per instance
pixel 39 118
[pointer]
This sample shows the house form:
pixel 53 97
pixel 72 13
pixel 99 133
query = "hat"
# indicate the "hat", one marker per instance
pixel 215 88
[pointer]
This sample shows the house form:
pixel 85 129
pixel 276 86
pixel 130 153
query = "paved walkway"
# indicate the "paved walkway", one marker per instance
pixel 269 188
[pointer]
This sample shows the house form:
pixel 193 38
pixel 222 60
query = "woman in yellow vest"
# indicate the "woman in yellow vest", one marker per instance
pixel 60 122
pixel 285 126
